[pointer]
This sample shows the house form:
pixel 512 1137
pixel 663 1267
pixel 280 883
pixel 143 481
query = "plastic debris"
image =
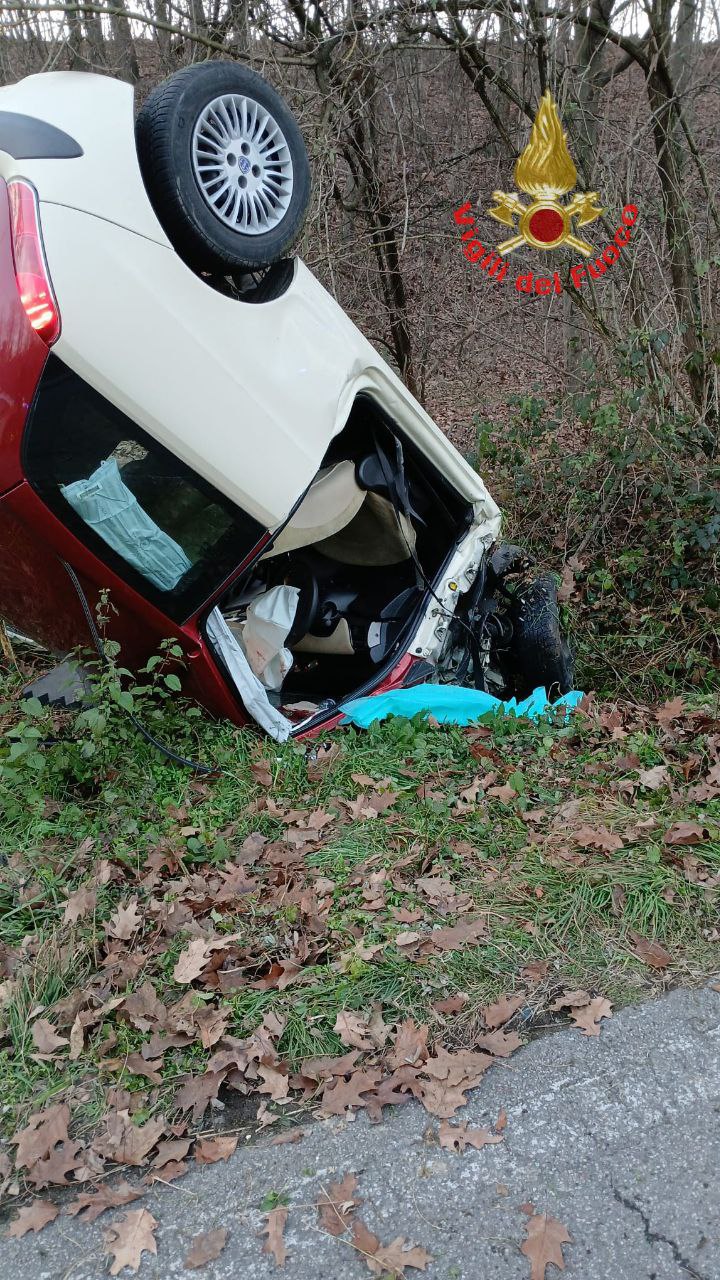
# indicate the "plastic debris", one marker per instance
pixel 450 704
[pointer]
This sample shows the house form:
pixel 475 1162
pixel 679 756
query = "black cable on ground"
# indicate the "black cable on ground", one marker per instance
pixel 195 765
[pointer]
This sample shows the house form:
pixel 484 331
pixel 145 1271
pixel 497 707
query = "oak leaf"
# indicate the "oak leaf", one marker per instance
pixel 651 952
pixel 453 937
pixel 45 1037
pixel 598 838
pixel 410 1046
pixel 501 1044
pixel 206 1247
pixel 125 922
pixel 495 1015
pixel 452 1004
pixel 210 1150
pixel 80 904
pixel 128 1238
pixel 32 1217
pixel 458 1137
pixel 337 1205
pixel 587 1018
pixel 685 833
pixel 358 1032
pixel 393 1257
pixel 669 711
pixel 191 962
pixel 341 1094
pixel 173 1149
pixel 570 1000
pixel 44 1130
pixel 274 1230
pixel 653 779
pixel 128 1143
pixel 545 1238
pixel 90 1206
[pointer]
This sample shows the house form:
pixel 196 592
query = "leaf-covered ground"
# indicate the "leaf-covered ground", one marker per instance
pixel 348 922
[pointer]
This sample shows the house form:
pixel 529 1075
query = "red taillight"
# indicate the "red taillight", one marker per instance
pixel 31 273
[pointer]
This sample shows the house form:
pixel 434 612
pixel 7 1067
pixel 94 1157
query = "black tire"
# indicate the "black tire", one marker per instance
pixel 164 133
pixel 541 655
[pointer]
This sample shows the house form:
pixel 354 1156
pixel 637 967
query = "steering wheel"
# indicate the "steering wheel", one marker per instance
pixel 302 576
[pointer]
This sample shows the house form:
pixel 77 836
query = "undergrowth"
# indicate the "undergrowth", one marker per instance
pixel 624 494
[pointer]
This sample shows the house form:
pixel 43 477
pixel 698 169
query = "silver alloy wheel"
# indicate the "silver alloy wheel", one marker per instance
pixel 242 164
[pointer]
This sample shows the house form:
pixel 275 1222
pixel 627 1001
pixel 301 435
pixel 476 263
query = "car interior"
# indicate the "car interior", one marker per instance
pixel 350 569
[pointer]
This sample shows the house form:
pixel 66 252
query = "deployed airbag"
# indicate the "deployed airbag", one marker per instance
pixel 269 620
pixel 106 505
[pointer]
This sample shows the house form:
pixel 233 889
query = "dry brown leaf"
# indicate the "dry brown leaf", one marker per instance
pixel 588 1017
pixel 653 779
pixel 173 1149
pixel 535 971
pixel 339 1094
pixel 505 793
pixel 598 838
pixel 358 1032
pixel 169 1172
pixel 125 921
pixel 44 1130
pixel 282 1139
pixel 685 833
pixel 453 1004
pixel 669 711
pixel 210 1150
pixel 191 961
pixel 206 1247
pixel 410 1047
pixel 570 1000
pixel 497 1014
pixel 458 1137
pixel 337 1205
pixel 197 1092
pixel 90 1206
pixel 392 1258
pixel 32 1217
pixel 545 1238
pixel 501 1044
pixel 128 1238
pixel 80 904
pixel 651 952
pixel 211 1023
pixel 128 1143
pixel 275 1243
pixel 45 1037
pixel 451 938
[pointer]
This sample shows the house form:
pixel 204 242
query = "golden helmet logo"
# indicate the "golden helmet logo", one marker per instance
pixel 545 171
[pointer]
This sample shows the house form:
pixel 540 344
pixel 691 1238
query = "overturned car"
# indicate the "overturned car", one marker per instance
pixel 190 420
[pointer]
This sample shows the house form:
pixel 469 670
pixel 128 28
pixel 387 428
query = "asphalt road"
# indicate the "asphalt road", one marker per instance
pixel 618 1137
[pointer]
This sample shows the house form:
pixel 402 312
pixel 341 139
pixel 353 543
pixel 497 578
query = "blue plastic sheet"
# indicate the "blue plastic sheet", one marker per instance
pixel 449 704
pixel 107 506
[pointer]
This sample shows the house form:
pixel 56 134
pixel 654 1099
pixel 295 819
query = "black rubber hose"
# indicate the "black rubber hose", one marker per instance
pixel 195 765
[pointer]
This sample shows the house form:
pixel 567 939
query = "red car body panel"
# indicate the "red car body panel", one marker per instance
pixel 22 358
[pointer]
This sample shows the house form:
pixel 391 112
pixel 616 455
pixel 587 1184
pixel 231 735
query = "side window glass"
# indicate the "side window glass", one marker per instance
pixel 130 499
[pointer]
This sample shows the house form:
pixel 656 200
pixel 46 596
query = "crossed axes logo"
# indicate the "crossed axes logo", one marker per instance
pixel 545 171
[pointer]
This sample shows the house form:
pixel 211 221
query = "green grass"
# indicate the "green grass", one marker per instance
pixel 68 820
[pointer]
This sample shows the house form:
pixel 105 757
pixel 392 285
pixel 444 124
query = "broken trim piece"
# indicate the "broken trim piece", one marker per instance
pixel 253 694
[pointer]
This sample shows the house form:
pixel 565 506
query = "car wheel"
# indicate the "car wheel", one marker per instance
pixel 225 167
pixel 541 655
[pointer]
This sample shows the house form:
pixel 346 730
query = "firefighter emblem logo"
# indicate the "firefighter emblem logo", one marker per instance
pixel 545 171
